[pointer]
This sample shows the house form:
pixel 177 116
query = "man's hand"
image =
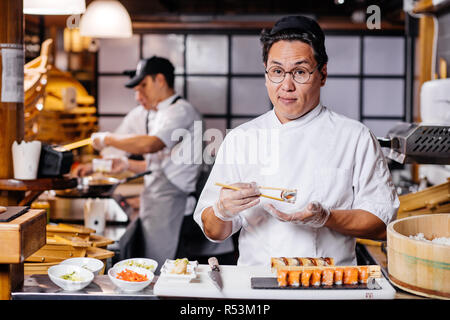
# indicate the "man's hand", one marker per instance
pixel 314 215
pixel 98 140
pixel 82 170
pixel 119 164
pixel 232 202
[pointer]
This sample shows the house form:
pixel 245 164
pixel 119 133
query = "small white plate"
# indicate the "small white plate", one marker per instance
pixel 170 264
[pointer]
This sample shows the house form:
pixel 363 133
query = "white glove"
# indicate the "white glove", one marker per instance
pixel 314 215
pixel 98 140
pixel 232 202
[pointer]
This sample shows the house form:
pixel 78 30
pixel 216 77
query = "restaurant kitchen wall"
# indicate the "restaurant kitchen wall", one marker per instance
pixel 222 75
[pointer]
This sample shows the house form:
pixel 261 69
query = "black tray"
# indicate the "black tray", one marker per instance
pixel 272 283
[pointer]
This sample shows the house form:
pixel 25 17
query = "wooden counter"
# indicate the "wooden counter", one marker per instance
pixel 19 238
pixel 30 190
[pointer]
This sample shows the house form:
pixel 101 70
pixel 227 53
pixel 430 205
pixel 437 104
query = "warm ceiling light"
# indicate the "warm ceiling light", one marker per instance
pixel 49 7
pixel 106 19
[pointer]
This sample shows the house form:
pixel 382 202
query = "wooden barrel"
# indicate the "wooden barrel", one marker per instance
pixel 417 266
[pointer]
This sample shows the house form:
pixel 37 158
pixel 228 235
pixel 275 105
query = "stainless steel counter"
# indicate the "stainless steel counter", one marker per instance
pixel 40 287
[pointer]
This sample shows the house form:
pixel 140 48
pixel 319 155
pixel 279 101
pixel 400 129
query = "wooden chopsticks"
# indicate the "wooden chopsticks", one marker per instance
pixel 261 195
pixel 77 144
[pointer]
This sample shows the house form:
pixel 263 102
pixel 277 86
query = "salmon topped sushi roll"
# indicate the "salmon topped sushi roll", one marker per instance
pixel 294 278
pixel 351 275
pixel 316 277
pixel 282 277
pixel 306 276
pixel 363 274
pixel 327 277
pixel 338 275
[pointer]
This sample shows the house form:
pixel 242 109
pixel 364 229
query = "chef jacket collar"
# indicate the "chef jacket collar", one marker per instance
pixel 301 121
pixel 165 103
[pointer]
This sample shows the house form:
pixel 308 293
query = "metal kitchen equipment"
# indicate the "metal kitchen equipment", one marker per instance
pixel 93 187
pixel 69 209
pixel 67 205
pixel 419 143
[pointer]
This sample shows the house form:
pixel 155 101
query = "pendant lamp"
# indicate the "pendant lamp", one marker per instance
pixel 106 19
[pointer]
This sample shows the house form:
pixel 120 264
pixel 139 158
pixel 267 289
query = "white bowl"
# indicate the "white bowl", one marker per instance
pixel 130 286
pixel 56 272
pixel 145 263
pixel 91 264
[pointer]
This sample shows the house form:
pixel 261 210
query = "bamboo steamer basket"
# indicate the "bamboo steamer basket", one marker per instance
pixel 416 266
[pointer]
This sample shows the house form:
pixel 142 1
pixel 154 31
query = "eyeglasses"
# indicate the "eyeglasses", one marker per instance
pixel 300 75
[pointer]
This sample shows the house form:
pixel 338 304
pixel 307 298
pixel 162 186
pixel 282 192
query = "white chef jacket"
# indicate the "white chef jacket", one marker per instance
pixel 325 156
pixel 134 122
pixel 180 161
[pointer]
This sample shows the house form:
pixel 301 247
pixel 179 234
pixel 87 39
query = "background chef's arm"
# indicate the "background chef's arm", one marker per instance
pixel 357 223
pixel 136 144
pixel 215 228
pixel 137 166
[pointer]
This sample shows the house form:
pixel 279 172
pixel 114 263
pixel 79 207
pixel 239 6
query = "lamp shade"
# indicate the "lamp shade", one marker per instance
pixel 106 19
pixel 54 7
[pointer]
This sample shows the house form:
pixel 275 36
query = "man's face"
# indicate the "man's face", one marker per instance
pixel 146 93
pixel 291 100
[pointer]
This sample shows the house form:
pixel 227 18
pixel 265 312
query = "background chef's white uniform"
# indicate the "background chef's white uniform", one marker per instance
pixel 325 156
pixel 166 190
pixel 135 122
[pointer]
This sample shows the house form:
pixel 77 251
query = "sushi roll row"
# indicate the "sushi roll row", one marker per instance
pixel 302 262
pixel 325 277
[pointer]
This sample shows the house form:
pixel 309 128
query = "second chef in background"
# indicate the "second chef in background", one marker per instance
pixel 169 131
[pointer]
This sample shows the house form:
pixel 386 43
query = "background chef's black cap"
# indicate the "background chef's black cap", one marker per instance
pixel 150 66
pixel 300 23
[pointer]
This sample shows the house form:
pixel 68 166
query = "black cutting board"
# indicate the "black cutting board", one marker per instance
pixel 272 283
pixel 12 213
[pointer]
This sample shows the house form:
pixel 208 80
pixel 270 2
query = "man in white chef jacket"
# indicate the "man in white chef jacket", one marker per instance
pixel 170 130
pixel 335 163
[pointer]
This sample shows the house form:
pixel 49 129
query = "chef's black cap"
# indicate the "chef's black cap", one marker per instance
pixel 300 23
pixel 151 66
